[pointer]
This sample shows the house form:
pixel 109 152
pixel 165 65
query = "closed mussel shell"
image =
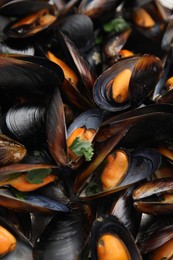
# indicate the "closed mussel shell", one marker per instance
pixel 110 238
pixel 65 236
pixel 127 83
pixel 24 122
pixel 79 29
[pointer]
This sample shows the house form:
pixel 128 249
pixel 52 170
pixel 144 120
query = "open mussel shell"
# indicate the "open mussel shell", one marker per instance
pixel 147 19
pixel 114 44
pixel 30 25
pixel 31 202
pixel 114 228
pixel 19 168
pixel 65 236
pixel 25 122
pixel 25 198
pixel 91 119
pixel 56 127
pixel 139 165
pixel 154 197
pixel 23 248
pixel 28 76
pixel 137 75
pixel 10 151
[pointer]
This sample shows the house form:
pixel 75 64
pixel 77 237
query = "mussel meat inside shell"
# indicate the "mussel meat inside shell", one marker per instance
pixel 127 83
pixel 111 240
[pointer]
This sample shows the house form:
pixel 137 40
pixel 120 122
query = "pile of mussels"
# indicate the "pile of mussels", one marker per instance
pixel 86 130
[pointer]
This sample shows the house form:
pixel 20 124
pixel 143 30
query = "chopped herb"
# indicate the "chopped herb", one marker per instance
pixel 13 176
pixel 37 176
pixel 116 25
pixel 18 194
pixel 82 147
pixel 92 188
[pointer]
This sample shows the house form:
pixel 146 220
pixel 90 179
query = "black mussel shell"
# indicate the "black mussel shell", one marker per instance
pixel 91 119
pixel 109 224
pixel 25 122
pixel 10 151
pixel 30 25
pixel 141 165
pixel 122 207
pixel 155 235
pixel 81 67
pixel 151 118
pixel 154 197
pixel 146 71
pixel 56 129
pixel 17 8
pixel 23 249
pixel 30 202
pixel 26 76
pixel 65 236
pixel 136 3
pixel 115 43
pixel 79 29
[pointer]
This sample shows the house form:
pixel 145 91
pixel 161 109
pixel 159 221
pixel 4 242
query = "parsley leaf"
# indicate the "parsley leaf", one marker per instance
pixel 18 194
pixel 37 176
pixel 82 147
pixel 116 25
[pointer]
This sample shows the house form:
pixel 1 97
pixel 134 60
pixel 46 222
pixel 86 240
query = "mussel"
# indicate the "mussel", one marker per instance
pixel 154 197
pixel 111 240
pixel 14 244
pixel 127 83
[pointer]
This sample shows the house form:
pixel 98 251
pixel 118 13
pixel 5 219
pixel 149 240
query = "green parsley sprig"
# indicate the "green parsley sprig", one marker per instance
pixel 82 148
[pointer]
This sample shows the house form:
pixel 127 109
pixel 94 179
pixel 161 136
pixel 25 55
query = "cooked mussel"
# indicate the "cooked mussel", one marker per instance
pixel 69 89
pixel 14 245
pixel 30 25
pixel 147 18
pixel 117 170
pixel 56 129
pixel 127 83
pixel 111 240
pixel 27 177
pixel 154 197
